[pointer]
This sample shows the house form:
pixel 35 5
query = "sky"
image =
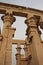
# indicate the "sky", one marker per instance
pixel 19 24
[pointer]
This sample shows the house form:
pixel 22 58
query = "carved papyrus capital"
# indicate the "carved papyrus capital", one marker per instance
pixel 8 19
pixel 32 21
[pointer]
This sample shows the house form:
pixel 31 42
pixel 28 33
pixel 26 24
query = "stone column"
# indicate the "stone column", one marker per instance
pixel 41 23
pixel 27 46
pixel 18 55
pixel 1 37
pixel 7 33
pixel 36 47
pixel 26 50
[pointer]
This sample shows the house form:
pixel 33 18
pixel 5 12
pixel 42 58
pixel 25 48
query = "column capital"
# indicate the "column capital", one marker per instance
pixel 8 19
pixel 32 21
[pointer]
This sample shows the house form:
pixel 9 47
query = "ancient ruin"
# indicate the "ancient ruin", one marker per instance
pixel 33 46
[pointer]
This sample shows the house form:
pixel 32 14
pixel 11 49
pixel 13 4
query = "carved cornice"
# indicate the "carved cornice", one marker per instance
pixel 18 10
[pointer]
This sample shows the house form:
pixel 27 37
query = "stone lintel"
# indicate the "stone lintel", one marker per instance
pixel 18 41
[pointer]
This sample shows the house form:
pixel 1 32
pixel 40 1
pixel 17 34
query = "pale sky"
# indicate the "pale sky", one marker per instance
pixel 19 24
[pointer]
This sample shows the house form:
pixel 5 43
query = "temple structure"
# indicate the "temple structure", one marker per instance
pixel 33 46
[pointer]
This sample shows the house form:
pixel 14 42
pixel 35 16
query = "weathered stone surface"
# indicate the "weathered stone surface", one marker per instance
pixel 33 46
